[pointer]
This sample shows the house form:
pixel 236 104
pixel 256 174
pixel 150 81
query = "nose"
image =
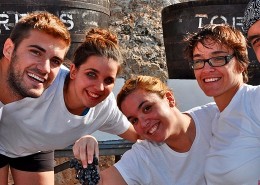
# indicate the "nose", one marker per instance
pixel 101 86
pixel 44 66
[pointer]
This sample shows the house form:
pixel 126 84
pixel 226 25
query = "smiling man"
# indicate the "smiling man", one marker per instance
pixel 32 56
pixel 30 61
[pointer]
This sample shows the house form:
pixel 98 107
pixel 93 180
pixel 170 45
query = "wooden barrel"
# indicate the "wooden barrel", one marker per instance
pixel 78 15
pixel 178 19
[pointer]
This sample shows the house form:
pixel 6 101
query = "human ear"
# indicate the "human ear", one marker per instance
pixel 8 49
pixel 73 71
pixel 170 98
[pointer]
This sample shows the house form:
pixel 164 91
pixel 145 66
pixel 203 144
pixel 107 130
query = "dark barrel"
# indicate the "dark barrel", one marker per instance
pixel 178 19
pixel 78 15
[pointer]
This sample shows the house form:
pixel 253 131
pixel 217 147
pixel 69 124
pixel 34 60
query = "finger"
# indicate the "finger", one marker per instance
pixel 96 150
pixel 75 150
pixel 90 153
pixel 83 156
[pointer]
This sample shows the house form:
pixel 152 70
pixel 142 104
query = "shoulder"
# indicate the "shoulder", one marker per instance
pixel 210 108
pixel 250 88
pixel 250 100
pixel 111 97
pixel 58 82
pixel 64 71
pixel 146 146
pixel 109 107
pixel 109 101
pixel 248 93
pixel 204 115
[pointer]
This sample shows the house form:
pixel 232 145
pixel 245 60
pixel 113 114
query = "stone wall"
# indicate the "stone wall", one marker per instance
pixel 139 28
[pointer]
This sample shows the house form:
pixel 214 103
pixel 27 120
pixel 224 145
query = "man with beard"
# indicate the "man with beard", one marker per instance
pixel 32 56
pixel 31 60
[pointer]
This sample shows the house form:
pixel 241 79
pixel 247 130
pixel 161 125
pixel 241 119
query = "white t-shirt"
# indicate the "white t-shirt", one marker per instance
pixel 149 163
pixel 234 156
pixel 1 109
pixel 41 124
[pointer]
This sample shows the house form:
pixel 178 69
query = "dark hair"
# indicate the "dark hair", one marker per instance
pixel 98 42
pixel 224 35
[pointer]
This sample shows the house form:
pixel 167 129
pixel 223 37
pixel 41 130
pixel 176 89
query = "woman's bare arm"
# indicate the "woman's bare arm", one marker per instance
pixel 111 176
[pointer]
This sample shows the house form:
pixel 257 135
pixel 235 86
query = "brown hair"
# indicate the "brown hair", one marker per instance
pixel 224 35
pixel 42 21
pixel 98 42
pixel 147 83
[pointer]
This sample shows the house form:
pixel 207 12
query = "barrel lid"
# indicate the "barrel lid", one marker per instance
pixel 190 4
pixel 100 5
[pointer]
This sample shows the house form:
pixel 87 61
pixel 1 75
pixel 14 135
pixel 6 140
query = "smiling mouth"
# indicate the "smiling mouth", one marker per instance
pixel 153 129
pixel 208 80
pixel 36 77
pixel 93 95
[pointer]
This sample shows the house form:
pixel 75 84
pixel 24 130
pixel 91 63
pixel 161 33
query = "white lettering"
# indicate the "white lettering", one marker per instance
pixel 4 22
pixel 18 16
pixel 240 22
pixel 201 16
pixel 63 18
pixel 9 19
pixel 218 19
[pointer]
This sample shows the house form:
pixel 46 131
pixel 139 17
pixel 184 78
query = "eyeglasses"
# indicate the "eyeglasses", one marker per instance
pixel 213 62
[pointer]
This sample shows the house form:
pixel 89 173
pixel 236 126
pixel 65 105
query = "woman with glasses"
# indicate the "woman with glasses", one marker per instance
pixel 219 58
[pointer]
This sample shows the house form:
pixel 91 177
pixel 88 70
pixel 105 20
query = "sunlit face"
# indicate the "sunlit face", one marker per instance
pixel 93 81
pixel 217 81
pixel 254 38
pixel 150 115
pixel 34 64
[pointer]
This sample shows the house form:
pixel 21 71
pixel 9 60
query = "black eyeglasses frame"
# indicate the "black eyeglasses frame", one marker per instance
pixel 227 60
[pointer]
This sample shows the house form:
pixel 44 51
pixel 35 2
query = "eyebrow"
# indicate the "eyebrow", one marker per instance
pixel 92 69
pixel 141 104
pixel 43 50
pixel 252 37
pixel 214 52
pixel 38 47
pixel 139 107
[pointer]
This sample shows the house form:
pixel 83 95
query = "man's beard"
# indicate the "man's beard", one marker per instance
pixel 15 81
